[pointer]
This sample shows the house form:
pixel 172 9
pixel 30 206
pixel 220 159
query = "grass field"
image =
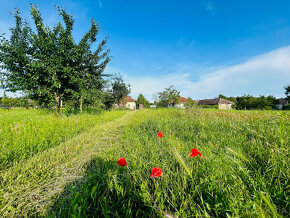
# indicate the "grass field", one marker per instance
pixel 62 166
pixel 26 132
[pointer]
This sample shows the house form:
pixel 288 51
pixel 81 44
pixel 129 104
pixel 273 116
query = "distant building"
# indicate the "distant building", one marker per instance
pixel 180 104
pixel 221 102
pixel 128 102
pixel 153 106
pixel 282 102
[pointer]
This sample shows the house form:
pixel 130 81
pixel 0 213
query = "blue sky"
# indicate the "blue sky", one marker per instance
pixel 203 47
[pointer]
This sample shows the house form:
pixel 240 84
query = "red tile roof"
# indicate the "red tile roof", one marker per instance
pixel 129 99
pixel 181 100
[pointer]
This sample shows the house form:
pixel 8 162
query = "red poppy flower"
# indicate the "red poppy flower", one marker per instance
pixel 159 134
pixel 122 162
pixel 156 172
pixel 194 152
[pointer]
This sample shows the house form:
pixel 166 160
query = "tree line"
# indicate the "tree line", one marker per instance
pixel 50 67
pixel 246 102
pixel 249 102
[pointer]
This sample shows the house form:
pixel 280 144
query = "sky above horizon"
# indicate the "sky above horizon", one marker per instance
pixel 203 48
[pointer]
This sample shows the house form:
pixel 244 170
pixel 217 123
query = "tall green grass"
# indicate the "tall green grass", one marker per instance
pixel 24 133
pixel 28 187
pixel 243 170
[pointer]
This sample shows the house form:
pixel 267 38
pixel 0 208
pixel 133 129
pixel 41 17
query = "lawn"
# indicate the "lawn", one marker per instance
pixel 243 169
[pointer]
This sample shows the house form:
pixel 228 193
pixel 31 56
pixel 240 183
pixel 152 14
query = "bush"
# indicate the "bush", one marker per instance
pixel 286 107
pixel 17 102
pixel 209 106
pixel 68 109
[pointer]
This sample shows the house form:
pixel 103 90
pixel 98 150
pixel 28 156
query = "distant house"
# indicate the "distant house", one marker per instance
pixel 180 104
pixel 128 102
pixel 221 102
pixel 153 106
pixel 282 102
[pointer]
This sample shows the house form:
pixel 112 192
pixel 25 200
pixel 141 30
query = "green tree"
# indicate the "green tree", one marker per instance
pixel 142 100
pixel 190 103
pixel 168 95
pixel 119 89
pixel 48 65
pixel 245 102
pixel 222 96
pixel 4 100
pixel 272 101
pixel 115 91
pixel 233 99
pixel 256 103
pixel 287 92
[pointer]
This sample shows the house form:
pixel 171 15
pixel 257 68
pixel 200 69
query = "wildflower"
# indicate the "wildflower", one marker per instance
pixel 159 134
pixel 156 172
pixel 194 152
pixel 122 162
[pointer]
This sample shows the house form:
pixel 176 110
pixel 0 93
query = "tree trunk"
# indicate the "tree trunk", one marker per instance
pixel 81 104
pixel 57 99
pixel 58 102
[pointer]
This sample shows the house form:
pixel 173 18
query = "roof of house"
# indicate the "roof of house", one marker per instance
pixel 128 99
pixel 214 101
pixel 181 100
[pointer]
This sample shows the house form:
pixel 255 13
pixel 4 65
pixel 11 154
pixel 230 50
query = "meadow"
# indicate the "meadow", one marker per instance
pixel 66 166
pixel 26 132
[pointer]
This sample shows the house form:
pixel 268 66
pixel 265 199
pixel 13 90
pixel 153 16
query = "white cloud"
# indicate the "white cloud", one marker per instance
pixel 265 74
pixel 261 75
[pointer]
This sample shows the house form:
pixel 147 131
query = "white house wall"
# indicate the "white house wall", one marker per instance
pixel 131 105
pixel 225 106
pixel 181 105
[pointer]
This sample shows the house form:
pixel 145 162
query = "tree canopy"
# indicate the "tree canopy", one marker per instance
pixel 115 90
pixel 233 99
pixel 169 94
pixel 257 103
pixel 48 64
pixel 287 92
pixel 142 100
pixel 190 103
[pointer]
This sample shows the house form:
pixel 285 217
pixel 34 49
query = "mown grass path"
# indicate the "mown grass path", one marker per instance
pixel 31 186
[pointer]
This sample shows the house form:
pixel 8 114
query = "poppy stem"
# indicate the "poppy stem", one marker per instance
pixel 181 161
